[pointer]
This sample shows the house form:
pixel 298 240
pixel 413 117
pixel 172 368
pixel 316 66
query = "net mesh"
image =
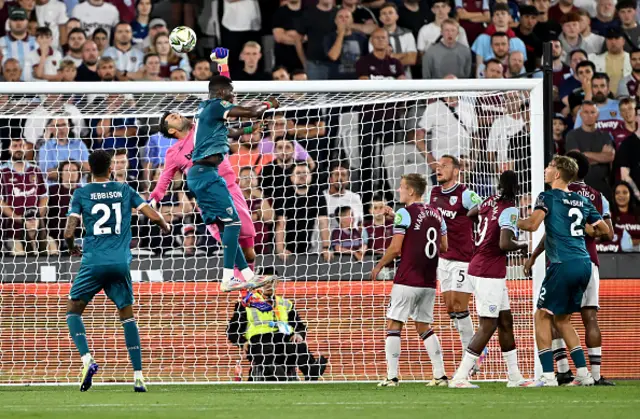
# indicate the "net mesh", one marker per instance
pixel 357 146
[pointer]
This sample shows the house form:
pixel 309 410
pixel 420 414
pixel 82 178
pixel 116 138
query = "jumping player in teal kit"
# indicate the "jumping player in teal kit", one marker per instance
pixel 567 217
pixel 211 145
pixel 105 208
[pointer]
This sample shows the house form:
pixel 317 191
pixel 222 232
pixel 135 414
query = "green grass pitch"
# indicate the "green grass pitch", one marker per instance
pixel 326 401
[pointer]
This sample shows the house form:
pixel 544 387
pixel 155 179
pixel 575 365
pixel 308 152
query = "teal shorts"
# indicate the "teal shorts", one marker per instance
pixel 212 195
pixel 564 285
pixel 114 279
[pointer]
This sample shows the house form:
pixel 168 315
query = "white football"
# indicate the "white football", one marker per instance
pixel 182 39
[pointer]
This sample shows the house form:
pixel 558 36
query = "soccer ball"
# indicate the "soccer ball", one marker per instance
pixel 182 39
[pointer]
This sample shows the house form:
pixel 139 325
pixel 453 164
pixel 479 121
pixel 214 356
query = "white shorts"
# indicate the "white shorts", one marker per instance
pixel 452 275
pixel 492 296
pixel 590 296
pixel 411 302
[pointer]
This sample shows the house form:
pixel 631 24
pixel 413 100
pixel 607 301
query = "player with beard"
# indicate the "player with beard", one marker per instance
pixel 590 306
pixel 455 200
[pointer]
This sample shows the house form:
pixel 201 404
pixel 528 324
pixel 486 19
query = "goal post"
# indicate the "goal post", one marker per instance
pixel 369 128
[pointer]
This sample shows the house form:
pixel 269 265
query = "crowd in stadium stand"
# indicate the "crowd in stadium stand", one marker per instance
pixel 596 65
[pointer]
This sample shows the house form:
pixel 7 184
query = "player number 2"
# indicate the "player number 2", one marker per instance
pixel 431 249
pixel 98 228
pixel 576 226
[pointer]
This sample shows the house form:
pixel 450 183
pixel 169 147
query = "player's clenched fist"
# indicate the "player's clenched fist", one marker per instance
pixel 220 55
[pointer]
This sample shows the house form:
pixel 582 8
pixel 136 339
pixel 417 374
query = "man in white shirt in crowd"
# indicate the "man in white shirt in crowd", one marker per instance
pixel 339 194
pixel 503 128
pixel 594 41
pixel 53 14
pixel 430 32
pixel 402 41
pixel 76 38
pixel 17 43
pixel 42 63
pixel 128 59
pixel 241 22
pixel 96 14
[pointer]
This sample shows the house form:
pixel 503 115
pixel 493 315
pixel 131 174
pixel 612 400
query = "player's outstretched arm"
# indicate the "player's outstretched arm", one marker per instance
pixel 237 132
pixel 528 264
pixel 393 251
pixel 533 222
pixel 155 218
pixel 253 111
pixel 70 235
pixel 169 171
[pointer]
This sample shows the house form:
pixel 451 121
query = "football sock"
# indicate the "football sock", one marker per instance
pixel 432 345
pixel 137 375
pixel 511 359
pixel 392 352
pixel 231 248
pixel 465 328
pixel 132 340
pixel 86 359
pixel 241 261
pixel 546 360
pixel 468 361
pixel 595 357
pixel 78 333
pixel 577 355
pixel 560 355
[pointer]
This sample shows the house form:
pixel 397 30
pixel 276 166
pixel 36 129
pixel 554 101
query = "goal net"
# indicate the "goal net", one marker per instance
pixel 357 139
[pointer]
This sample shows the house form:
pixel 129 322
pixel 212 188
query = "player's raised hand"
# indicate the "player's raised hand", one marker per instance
pixel 220 55
pixel 388 212
pixel 374 273
pixel 166 228
pixel 274 102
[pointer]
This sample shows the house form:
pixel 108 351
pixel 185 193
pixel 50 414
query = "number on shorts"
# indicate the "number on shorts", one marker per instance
pixel 576 226
pixel 543 291
pixel 431 249
pixel 483 222
pixel 461 274
pixel 98 230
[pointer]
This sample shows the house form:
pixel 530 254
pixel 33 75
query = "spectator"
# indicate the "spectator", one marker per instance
pixel 500 51
pixel 201 70
pixel 178 74
pixel 628 86
pixel 546 28
pixel 156 27
pixel 615 61
pixel 625 216
pixel 500 24
pixel 621 128
pixel 402 41
pixel 262 213
pixel 413 16
pixel 315 24
pixel 571 82
pixel 339 194
pixel 570 37
pixel 561 72
pixel 250 55
pixel 364 20
pixel 594 41
pixel 274 176
pixel 101 38
pixel 347 239
pixel 561 9
pixel 249 154
pixel 430 33
pixel 240 23
pixel 76 38
pixel 585 71
pixel 42 64
pixel 72 24
pixel 515 65
pixel 106 69
pixel 140 25
pixel 151 67
pixel 128 59
pixel 297 212
pixel 288 43
pixel 628 161
pixel 69 174
pixel 273 350
pixel 596 146
pixel 608 108
pixel 629 24
pixel 473 16
pixel 344 47
pixel 280 73
pixel 53 14
pixel 526 32
pixel 493 69
pixel 122 170
pixel 447 56
pixel 11 71
pixel 67 71
pixel 379 64
pixel 18 43
pixel 559 133
pixel 605 17
pixel 96 14
pixel 23 200
pixel 503 128
pixel 168 57
pixel 88 71
pixel 299 75
pixel 278 127
pixel 58 147
pixel 378 228
pixel 32 27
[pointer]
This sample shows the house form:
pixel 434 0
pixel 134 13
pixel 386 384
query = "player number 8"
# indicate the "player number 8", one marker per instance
pixel 431 249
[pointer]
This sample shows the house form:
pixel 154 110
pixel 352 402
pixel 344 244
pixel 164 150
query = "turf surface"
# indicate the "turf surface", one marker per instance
pixel 326 401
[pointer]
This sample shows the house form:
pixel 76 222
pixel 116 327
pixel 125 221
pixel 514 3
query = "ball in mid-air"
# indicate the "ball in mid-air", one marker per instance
pixel 182 39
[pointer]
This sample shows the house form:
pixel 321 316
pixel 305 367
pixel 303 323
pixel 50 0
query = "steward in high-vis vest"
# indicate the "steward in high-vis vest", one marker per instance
pixel 272 335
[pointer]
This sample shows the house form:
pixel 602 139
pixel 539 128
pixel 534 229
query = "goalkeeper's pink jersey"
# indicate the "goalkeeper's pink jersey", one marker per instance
pixel 178 158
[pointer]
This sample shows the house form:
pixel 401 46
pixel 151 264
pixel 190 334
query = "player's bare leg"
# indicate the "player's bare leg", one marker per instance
pixel 392 352
pixel 132 340
pixel 432 345
pixel 593 339
pixel 570 336
pixel 507 341
pixel 486 328
pixel 75 308
pixel 464 324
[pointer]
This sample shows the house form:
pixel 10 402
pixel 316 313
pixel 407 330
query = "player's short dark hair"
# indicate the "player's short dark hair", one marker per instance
pixel 576 51
pixel 416 182
pixel 454 160
pixel 499 35
pixel 77 30
pixel 147 56
pixel 378 197
pixel 300 163
pixel 389 4
pixel 508 185
pixel 100 162
pixel 243 168
pixel 341 211
pixel 634 51
pixel 122 22
pixel 492 61
pixel 43 31
pixel 339 164
pixel 501 7
pixel 97 31
pixel 164 125
pixel 626 4
pixel 120 152
pixel 626 101
pixel 278 68
pixel 219 82
pixel 603 76
pixel 298 71
pixel 582 161
pixel 586 63
pixel 434 2
pixel 567 167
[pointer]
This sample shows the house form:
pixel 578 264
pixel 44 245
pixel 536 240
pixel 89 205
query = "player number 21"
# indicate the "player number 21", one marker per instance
pixel 576 225
pixel 431 249
pixel 98 228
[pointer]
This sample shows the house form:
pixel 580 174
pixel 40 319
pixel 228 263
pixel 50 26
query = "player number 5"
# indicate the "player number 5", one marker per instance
pixel 576 226
pixel 431 249
pixel 98 228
